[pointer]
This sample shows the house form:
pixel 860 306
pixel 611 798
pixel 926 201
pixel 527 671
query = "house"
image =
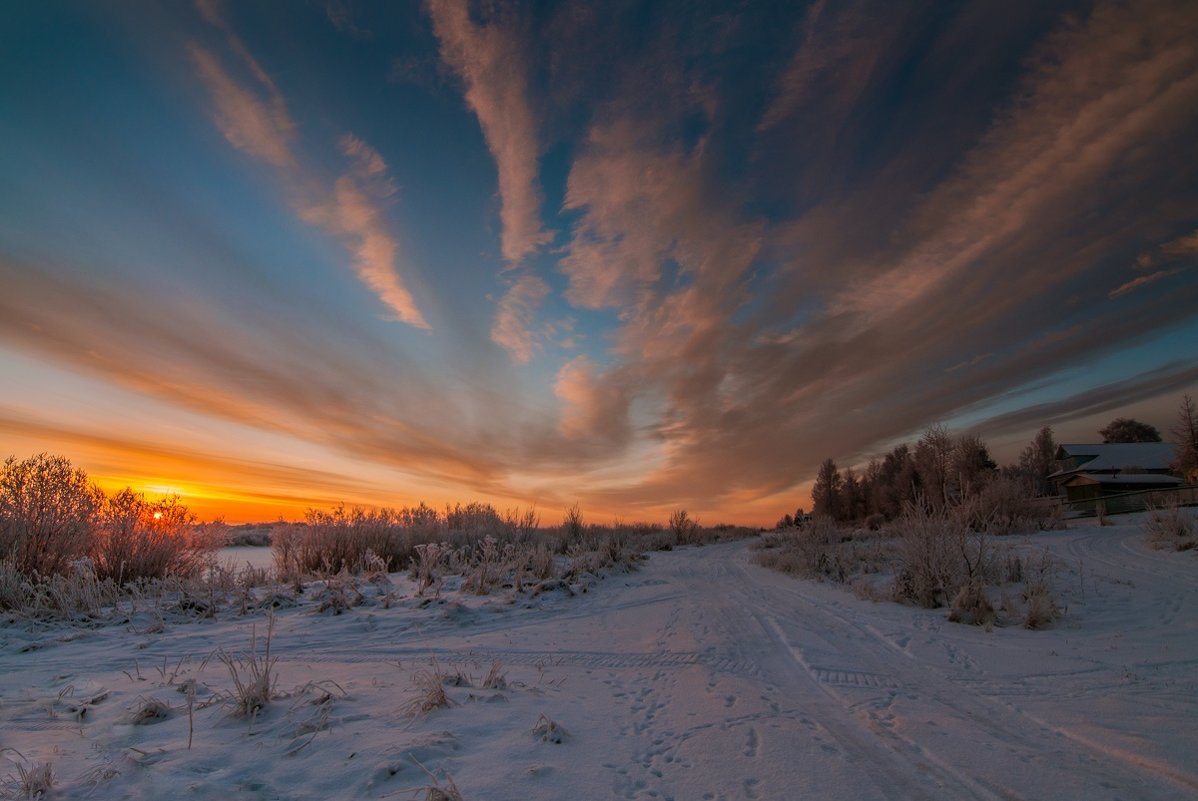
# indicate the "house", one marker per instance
pixel 1087 473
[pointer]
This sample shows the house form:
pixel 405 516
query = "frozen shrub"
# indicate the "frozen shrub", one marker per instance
pixel 14 588
pixel 1003 506
pixel 148 711
pixel 253 676
pixel 540 563
pixel 549 731
pixel 573 526
pixel 47 508
pixel 971 606
pixel 430 692
pixel 340 594
pixel 929 545
pixel 1040 606
pixel 486 571
pixel 495 679
pixel 137 539
pixel 474 520
pixel 36 781
pixel 338 540
pixel 426 565
pixel 1169 526
pixel 685 528
pixel 808 552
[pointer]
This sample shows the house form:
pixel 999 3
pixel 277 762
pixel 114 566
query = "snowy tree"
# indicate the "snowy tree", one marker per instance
pixel 933 462
pixel 1185 434
pixel 1037 462
pixel 47 508
pixel 972 465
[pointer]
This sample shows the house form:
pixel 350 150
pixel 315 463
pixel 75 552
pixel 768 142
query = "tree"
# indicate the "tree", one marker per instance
pixel 898 481
pixel 825 495
pixel 933 462
pixel 851 498
pixel 47 508
pixel 1125 429
pixel 972 464
pixel 1037 461
pixel 1185 434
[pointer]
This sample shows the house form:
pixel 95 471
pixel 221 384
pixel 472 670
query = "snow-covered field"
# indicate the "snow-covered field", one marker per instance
pixel 699 676
pixel 239 556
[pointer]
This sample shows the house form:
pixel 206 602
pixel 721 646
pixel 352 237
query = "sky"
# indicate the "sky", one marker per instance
pixel 635 256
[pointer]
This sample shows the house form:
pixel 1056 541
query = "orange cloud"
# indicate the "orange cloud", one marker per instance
pixel 595 406
pixel 349 210
pixel 513 327
pixel 264 131
pixel 490 61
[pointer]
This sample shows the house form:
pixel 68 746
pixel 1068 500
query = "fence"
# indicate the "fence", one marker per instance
pixel 1138 501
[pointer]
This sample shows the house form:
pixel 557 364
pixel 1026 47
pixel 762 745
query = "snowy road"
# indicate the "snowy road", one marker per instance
pixel 700 676
pixel 728 681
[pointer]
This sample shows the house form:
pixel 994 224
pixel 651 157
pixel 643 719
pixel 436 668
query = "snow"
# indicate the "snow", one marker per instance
pixel 698 676
pixel 239 556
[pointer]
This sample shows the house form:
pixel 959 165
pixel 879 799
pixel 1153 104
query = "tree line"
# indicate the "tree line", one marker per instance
pixel 942 469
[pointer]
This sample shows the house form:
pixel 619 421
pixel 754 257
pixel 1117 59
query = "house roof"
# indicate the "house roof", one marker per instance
pixel 1119 456
pixel 1131 479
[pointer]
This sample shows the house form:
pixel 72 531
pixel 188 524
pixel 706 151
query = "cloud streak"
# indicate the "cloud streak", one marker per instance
pixel 491 62
pixel 350 210
pixel 891 340
pixel 515 318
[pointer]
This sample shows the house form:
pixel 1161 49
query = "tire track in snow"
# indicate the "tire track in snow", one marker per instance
pixel 998 721
pixel 589 659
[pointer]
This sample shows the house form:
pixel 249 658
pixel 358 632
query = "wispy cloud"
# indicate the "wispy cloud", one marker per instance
pixel 888 338
pixel 1136 283
pixel 1171 251
pixel 514 327
pixel 490 59
pixel 341 14
pixel 260 127
pixel 353 212
pixel 319 386
pixel 595 406
pixel 1170 379
pixel 636 199
pixel 350 209
pixel 1079 116
pixel 838 54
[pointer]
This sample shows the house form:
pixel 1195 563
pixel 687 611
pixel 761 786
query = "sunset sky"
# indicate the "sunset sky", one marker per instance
pixel 635 255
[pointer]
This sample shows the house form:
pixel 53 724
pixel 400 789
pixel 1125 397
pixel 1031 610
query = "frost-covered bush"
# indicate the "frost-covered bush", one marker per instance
pixel 47 512
pixel 1169 526
pixel 811 551
pixel 136 539
pixel 1004 506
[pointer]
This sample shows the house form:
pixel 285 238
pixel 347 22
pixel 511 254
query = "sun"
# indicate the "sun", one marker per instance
pixel 158 515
